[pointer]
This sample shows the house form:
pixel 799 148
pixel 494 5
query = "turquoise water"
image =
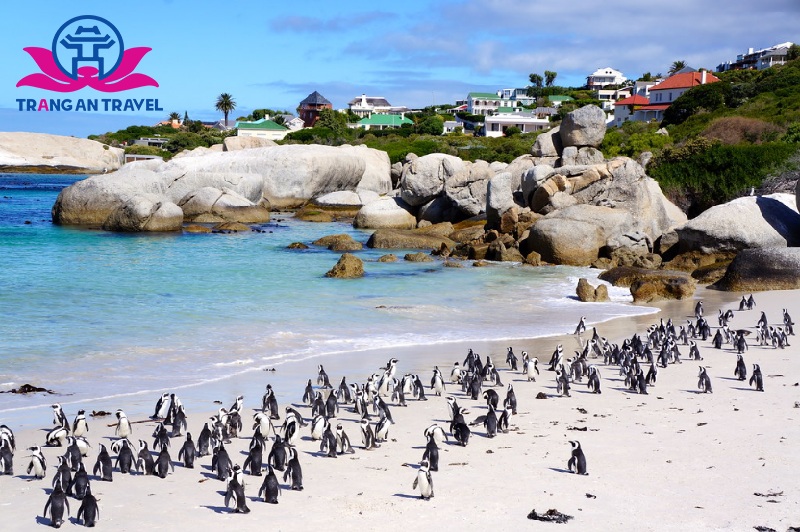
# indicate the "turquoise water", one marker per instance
pixel 97 314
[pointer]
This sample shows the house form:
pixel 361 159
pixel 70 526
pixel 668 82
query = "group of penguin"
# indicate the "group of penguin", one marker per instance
pixel 658 348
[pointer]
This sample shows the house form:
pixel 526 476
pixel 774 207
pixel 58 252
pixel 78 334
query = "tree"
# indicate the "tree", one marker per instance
pixel 512 131
pixel 676 67
pixel 225 104
pixel 279 119
pixel 174 116
pixel 431 125
pixel 333 120
pixel 549 77
pixel 186 120
pixel 646 77
pixel 793 52
pixel 536 80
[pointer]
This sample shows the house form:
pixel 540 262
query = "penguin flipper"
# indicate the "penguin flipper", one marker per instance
pixel 413 487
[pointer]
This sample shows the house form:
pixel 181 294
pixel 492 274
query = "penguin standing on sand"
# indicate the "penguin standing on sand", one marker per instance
pixel 56 503
pixel 328 444
pixel 437 433
pixel 164 463
pixel 255 459
pixel 270 488
pixel 530 366
pixel 124 428
pixel 162 407
pixel 342 441
pixel 511 399
pixel 757 378
pixel 741 368
pixel 103 464
pixel 490 423
pixel 6 458
pixel 704 381
pixel 437 382
pixel 89 511
pixel 322 377
pixel 38 464
pixel 145 462
pixel 204 441
pixel 294 471
pixel 269 403
pixel 424 481
pixel 80 483
pixel 577 462
pixel 511 359
pixel 59 417
pixel 367 435
pixel 221 462
pixel 698 310
pixel 277 455
pixel 235 491
pixel 581 328
pixel 125 460
pixel 79 425
pixel 431 454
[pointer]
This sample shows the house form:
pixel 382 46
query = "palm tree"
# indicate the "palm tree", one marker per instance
pixel 225 104
pixel 174 116
pixel 676 67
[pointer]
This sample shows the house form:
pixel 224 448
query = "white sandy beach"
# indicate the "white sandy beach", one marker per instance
pixel 674 459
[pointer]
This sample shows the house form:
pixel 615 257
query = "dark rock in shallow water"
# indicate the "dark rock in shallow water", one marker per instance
pixel 409 239
pixel 297 245
pixel 762 269
pixel 342 242
pixel 348 267
pixel 29 388
pixel 417 257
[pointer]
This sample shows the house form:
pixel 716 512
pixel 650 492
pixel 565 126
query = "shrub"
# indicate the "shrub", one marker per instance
pixel 738 129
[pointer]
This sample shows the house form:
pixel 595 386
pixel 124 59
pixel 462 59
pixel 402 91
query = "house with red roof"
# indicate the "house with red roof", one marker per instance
pixel 662 95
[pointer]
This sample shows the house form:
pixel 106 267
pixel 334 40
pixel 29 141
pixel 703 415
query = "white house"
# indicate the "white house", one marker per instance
pixel 758 59
pixel 497 124
pixel 663 94
pixel 603 77
pixel 484 103
pixel 264 128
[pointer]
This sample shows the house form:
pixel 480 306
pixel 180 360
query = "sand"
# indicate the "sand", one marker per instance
pixel 674 459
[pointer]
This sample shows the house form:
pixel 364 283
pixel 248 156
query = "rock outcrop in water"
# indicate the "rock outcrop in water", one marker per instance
pixel 56 154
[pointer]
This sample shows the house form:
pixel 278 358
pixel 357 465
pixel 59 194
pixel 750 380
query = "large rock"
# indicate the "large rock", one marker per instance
pixel 145 212
pixel 424 178
pixel 744 223
pixel 212 205
pixel 348 267
pixel 387 212
pixel 548 144
pixel 499 198
pixel 467 188
pixel 340 242
pixel 44 153
pixel 415 239
pixel 585 126
pixel 235 143
pixel 377 169
pixel 651 285
pixel 759 269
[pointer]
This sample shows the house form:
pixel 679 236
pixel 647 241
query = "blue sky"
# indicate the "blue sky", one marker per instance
pixel 414 53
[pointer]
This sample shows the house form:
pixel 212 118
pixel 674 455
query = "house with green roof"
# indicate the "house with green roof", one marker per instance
pixel 487 103
pixel 264 128
pixel 384 122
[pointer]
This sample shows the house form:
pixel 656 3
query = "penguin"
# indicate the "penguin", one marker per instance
pixel 424 481
pixel 270 488
pixel 103 464
pixel 188 452
pixel 277 455
pixel 437 382
pixel 556 358
pixel 221 462
pixel 741 368
pixel 174 405
pixel 269 403
pixel 294 471
pixel 383 409
pixel 125 461
pixel 344 393
pixel 255 459
pixel 530 366
pixel 511 359
pixel 455 374
pixel 7 435
pixel 581 328
pixel 262 423
pixel 437 433
pixel 743 304
pixel 704 382
pixel 757 378
pixel 652 375
pixel 694 351
pixel 6 458
pixel 318 426
pixel 88 511
pixel 204 441
pixel 80 483
pixel 298 418
pixel 419 391
pixel 342 441
pixel 504 419
pixel 328 444
pixel 79 425
pixel 577 462
pixel 73 454
pixel 59 417
pixel 235 491
pixel 162 407
pixel 788 323
pixel 367 435
pixel 63 474
pixel 56 503
pixel 331 406
pixel 762 321
pixel 594 380
pixel 431 454
pixel 511 399
pixel 322 377
pixel 238 404
pixel 308 394
pixel 161 437
pixel 57 437
pixel 382 430
pixel 290 429
pixel 751 302
pixel 461 433
pixel 491 398
pixel 38 464
pixel 179 422
pixel 452 407
pixel 698 310
pixel 145 461
pixel 318 405
pixel 490 423
pixel 124 428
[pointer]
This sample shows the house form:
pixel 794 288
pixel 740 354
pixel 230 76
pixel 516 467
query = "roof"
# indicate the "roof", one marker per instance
pixel 315 98
pixel 484 96
pixel 559 98
pixel 654 107
pixel 385 120
pixel 633 100
pixel 376 101
pixel 684 81
pixel 261 124
pixel 505 109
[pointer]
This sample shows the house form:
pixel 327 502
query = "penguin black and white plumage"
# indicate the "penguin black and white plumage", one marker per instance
pixel 164 463
pixel 123 429
pixel 318 426
pixel 431 454
pixel 63 474
pixel 322 377
pixel 270 488
pixel 530 366
pixel 145 462
pixel 424 481
pixel 56 504
pixel 344 393
pixel 704 381
pixel 762 321
pixel 698 310
pixel 343 445
pixel 255 459
pixel 269 403
pixel 59 417
pixel 57 437
pixel 235 491
pixel 6 458
pixel 179 421
pixel 328 444
pixel 331 406
pixel 490 423
pixel 125 460
pixel 291 429
pixel 204 441
pixel 383 409
pixel 694 351
pixel 160 437
pixel 461 433
pixel 73 454
pixel 437 433
pixel 308 393
pixel 652 375
pixel 757 378
pixel 38 463
pixel 511 359
pixel 162 407
pixel 89 512
pixel 556 358
pixel 455 374
pixel 79 425
pixel 741 368
pixel 294 471
pixel 491 398
pixel 382 430
pixel 504 420
pixel 188 452
pixel 221 462
pixel 80 483
pixel 562 382
pixel 593 382
pixel 277 455
pixel 103 464
pixel 511 399
pixel 367 435
pixel 7 435
pixel 581 328
pixel 577 462
pixel 437 382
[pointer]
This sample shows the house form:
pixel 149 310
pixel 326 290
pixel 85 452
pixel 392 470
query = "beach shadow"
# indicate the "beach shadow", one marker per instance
pixel 559 470
pixel 43 520
pixel 407 496
pixel 209 475
pixel 218 509
pixel 743 389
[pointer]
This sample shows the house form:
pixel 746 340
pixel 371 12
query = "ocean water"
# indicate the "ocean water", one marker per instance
pixel 92 314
